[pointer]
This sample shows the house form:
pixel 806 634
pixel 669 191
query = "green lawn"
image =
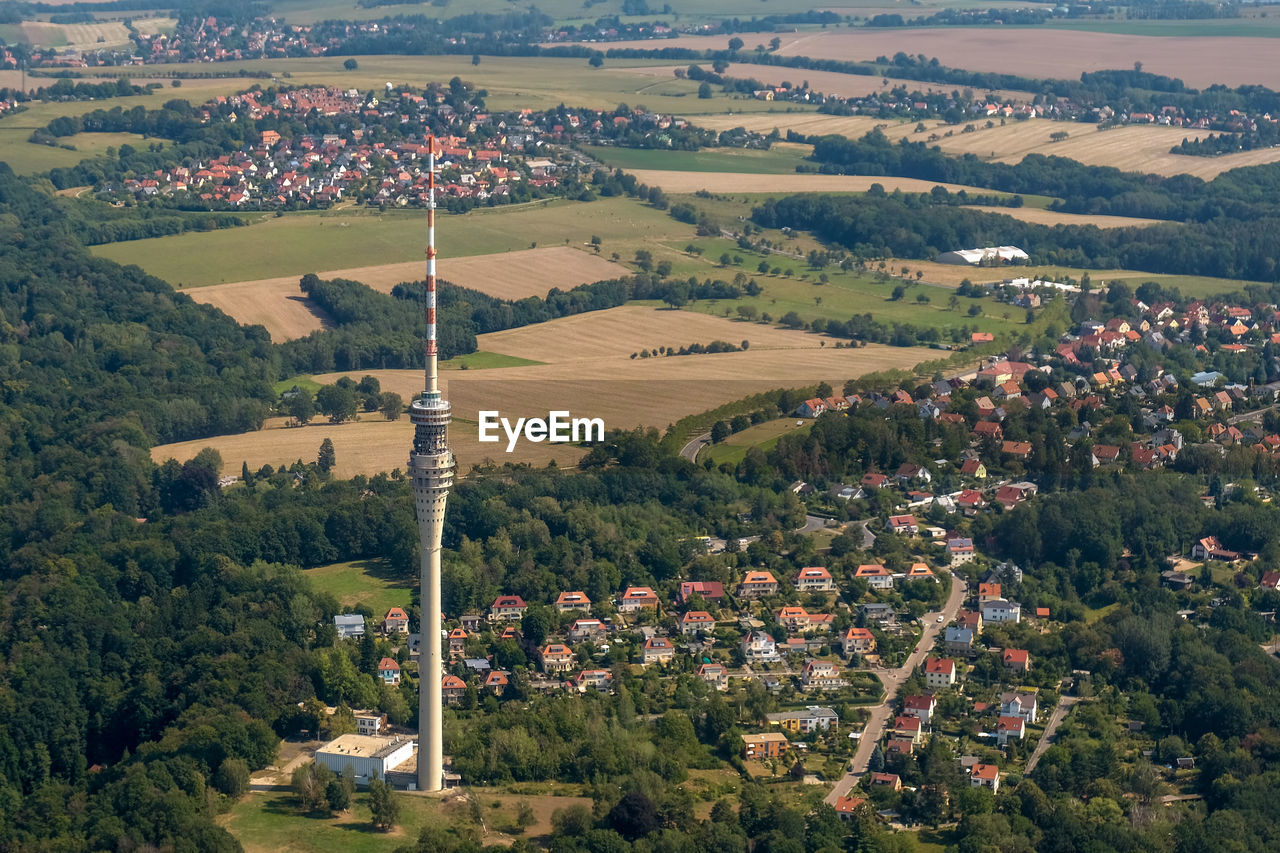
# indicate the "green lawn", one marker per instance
pixel 511 82
pixel 270 821
pixel 483 360
pixel 779 160
pixel 368 582
pixel 764 436
pixel 302 242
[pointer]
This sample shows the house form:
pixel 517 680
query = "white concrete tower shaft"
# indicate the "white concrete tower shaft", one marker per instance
pixel 431 467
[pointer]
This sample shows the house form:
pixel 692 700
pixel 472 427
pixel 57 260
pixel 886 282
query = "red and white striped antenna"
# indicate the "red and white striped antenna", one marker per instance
pixel 432 391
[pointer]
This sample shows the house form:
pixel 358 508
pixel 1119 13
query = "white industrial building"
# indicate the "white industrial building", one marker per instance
pixel 370 757
pixel 989 255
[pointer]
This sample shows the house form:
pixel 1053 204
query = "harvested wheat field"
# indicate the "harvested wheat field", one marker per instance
pixel 76 36
pixel 1133 148
pixel 590 374
pixel 367 446
pixel 618 332
pixel 277 303
pixel 827 82
pixel 1198 61
pixel 1053 217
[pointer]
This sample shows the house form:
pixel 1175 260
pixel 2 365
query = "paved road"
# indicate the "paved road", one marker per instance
pixel 690 450
pixel 815 522
pixel 1065 704
pixel 893 679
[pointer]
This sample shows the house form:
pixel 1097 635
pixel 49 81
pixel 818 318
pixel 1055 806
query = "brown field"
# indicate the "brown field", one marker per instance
pixel 277 304
pixel 1199 61
pixel 1053 217
pixel 827 82
pixel 274 303
pixel 589 373
pixel 1134 148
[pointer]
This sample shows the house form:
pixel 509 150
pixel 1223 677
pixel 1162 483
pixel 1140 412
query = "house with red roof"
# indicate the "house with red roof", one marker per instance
pixel 1017 660
pixel 507 607
pixel 389 671
pixel 939 673
pixel 396 621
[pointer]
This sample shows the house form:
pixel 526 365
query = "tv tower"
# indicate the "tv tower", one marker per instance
pixel 431 466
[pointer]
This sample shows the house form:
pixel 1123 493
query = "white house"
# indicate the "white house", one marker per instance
pixel 1001 610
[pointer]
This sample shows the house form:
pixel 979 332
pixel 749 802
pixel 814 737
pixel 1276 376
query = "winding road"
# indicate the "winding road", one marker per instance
pixel 892 680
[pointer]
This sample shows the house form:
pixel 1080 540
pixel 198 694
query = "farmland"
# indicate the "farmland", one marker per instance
pixel 1134 148
pixel 278 305
pixel 344 239
pixel 781 159
pixel 764 436
pixel 827 82
pixel 589 371
pixel 1199 60
pixel 511 82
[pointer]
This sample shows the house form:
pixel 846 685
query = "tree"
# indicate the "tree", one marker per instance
pixel 775 43
pixel 525 817
pixel 327 457
pixel 735 44
pixel 391 405
pixel 719 432
pixel 309 784
pixel 704 90
pixel 351 65
pixel 596 60
pixel 383 805
pixel 475 59
pixel 232 777
pixel 300 406
pixel 337 402
pixel 337 795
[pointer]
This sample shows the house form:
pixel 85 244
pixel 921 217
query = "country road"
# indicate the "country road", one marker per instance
pixel 1065 704
pixel 690 450
pixel 893 680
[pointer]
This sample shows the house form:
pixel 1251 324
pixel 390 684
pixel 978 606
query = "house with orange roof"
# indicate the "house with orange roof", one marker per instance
pixel 848 808
pixel 637 598
pixel 452 689
pixel 1017 660
pixel 396 621
pixel 715 675
pixel 570 601
pixel 556 658
pixel 458 641
pixel 814 579
pixel 757 585
pixel 985 776
pixel 696 622
pixel 497 681
pixel 658 650
pixel 859 641
pixel 876 575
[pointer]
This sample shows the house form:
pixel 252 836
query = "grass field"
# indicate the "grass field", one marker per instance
pixel 512 82
pixel 269 822
pixel 1199 60
pixel 279 306
pixel 368 582
pixel 764 436
pixel 27 158
pixel 587 370
pixel 781 159
pixel 298 243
